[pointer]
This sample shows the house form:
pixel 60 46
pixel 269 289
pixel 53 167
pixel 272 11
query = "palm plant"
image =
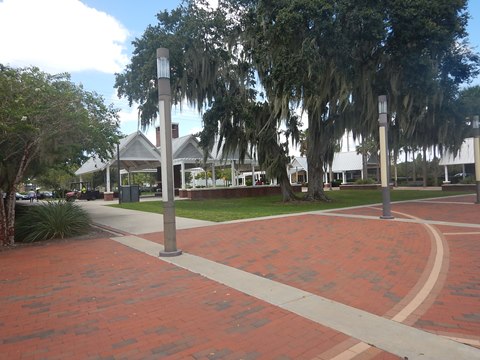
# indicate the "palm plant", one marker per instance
pixel 51 220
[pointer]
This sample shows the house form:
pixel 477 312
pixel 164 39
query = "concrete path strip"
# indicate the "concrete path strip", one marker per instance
pixel 133 221
pixel 413 221
pixel 388 335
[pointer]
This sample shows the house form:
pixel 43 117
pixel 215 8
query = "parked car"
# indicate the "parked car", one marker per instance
pixel 461 177
pixel 45 195
pixel 19 196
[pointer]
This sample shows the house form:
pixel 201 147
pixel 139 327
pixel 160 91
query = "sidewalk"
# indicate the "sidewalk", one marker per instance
pixel 131 221
pixel 325 285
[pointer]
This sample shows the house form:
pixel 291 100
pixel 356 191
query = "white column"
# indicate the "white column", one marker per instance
pixel 344 177
pixel 107 180
pixel 182 172
pixel 234 181
pixel 446 175
pixel 253 174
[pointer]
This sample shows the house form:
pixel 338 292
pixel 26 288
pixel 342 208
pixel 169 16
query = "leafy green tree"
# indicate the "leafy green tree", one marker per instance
pixel 367 148
pixel 244 125
pixel 56 177
pixel 46 119
pixel 469 101
pixel 330 58
pixel 209 69
pixel 197 39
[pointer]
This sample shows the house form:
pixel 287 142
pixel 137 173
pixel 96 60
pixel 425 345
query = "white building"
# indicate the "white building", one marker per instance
pixel 346 165
pixel 137 153
pixel 465 156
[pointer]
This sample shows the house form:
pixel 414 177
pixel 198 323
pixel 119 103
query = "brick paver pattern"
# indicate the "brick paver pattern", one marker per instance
pixel 97 299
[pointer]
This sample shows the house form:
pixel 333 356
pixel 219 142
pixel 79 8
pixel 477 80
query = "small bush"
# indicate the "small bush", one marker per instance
pixel 364 181
pixel 468 180
pixel 51 220
pixel 336 182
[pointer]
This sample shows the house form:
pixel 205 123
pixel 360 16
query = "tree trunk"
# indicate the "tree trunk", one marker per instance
pixel 315 182
pixel 286 188
pixel 414 168
pixel 364 166
pixel 395 170
pixel 3 220
pixel 435 167
pixel 330 174
pixel 317 147
pixel 424 169
pixel 7 216
pixel 406 165
pixel 7 208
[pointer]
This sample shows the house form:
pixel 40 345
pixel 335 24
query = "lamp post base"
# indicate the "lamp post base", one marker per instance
pixel 170 253
pixel 478 192
pixel 386 210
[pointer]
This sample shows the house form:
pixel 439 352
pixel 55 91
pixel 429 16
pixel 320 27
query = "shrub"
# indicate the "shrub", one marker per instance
pixel 336 182
pixel 467 180
pixel 364 181
pixel 51 220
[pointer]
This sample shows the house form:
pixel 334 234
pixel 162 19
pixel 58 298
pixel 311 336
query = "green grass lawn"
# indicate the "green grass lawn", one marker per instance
pixel 244 208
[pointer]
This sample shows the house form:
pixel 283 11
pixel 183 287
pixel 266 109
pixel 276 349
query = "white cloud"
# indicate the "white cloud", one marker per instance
pixel 60 35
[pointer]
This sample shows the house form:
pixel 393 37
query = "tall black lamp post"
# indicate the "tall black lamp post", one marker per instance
pixel 384 156
pixel 165 115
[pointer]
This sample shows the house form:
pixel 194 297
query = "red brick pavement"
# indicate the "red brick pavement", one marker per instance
pixel 457 308
pixel 96 299
pixel 368 264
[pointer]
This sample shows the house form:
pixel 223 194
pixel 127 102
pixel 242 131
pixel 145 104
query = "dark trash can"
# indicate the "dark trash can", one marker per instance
pixel 130 193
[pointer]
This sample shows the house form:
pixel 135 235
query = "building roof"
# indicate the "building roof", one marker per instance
pixel 187 149
pixel 464 156
pixel 342 161
pixel 299 163
pixel 136 153
pixel 346 161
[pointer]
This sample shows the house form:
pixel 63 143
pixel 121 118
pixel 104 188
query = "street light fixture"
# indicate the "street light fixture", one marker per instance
pixel 384 156
pixel 476 150
pixel 165 115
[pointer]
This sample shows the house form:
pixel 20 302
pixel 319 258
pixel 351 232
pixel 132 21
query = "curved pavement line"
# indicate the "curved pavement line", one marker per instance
pixel 441 237
pixel 419 298
pixel 462 233
pixel 430 201
pixel 432 279
pixel 372 329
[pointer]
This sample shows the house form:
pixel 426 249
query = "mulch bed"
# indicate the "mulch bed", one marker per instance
pixel 93 233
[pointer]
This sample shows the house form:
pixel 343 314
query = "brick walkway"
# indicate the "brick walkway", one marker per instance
pixel 97 299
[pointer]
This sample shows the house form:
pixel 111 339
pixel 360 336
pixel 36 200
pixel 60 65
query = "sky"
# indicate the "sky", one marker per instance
pixel 91 40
